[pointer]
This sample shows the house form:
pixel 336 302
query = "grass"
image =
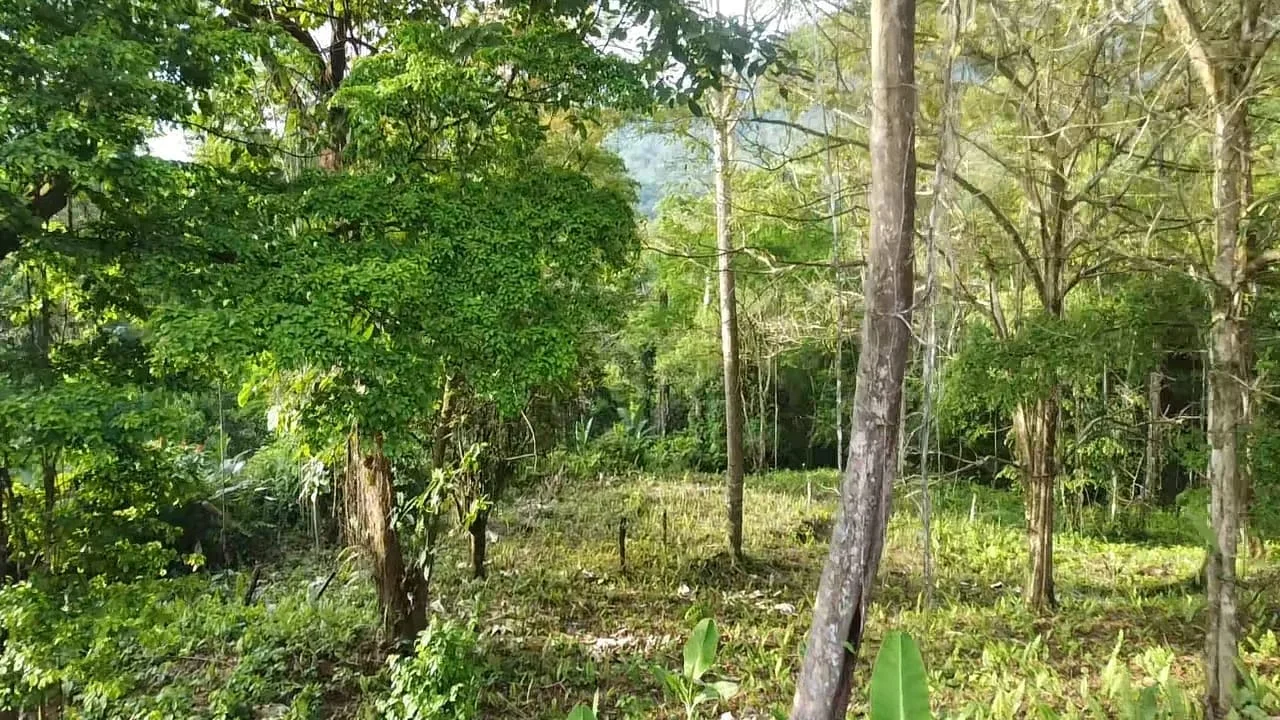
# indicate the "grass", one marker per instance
pixel 563 621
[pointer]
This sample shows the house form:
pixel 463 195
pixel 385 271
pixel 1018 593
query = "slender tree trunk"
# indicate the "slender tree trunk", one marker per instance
pixel 837 254
pixel 936 235
pixel 1035 427
pixel 1227 368
pixel 49 476
pixel 371 493
pixel 6 518
pixel 664 387
pixel 478 529
pixel 439 453
pixel 733 414
pixel 1155 448
pixel 858 535
pixel 1223 73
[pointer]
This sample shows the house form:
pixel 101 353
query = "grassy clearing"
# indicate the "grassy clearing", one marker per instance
pixel 559 620
pixel 562 621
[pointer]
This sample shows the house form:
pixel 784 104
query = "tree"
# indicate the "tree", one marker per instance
pixel 1057 182
pixel 857 540
pixel 724 125
pixel 1226 45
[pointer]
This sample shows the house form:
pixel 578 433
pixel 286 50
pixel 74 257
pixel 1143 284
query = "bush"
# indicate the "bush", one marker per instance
pixel 677 452
pixel 441 680
pixel 621 449
pixel 185 647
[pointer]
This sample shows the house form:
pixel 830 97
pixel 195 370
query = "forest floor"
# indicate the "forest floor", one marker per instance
pixel 565 621
pixel 560 621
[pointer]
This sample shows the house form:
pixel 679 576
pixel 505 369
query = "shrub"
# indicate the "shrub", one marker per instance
pixel 441 680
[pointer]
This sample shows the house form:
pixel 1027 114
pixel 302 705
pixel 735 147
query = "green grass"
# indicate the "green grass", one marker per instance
pixel 560 621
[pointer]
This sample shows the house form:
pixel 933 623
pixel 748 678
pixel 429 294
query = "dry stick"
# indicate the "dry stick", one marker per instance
pixel 622 544
pixel 325 585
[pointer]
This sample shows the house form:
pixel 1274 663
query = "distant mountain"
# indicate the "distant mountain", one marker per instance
pixel 663 163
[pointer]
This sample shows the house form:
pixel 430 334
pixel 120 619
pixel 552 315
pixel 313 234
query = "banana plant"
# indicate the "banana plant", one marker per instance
pixel 694 686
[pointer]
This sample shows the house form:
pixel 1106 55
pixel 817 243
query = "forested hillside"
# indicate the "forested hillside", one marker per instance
pixel 639 359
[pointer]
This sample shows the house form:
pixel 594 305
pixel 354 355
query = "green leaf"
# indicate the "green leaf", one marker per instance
pixel 724 688
pixel 581 712
pixel 700 650
pixel 899 686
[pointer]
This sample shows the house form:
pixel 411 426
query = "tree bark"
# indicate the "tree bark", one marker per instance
pixel 1224 72
pixel 858 535
pixel 1227 366
pixel 1155 448
pixel 733 413
pixel 371 494
pixel 49 476
pixel 1035 427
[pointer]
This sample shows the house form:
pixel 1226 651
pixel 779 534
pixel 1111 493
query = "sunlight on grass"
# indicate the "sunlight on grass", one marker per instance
pixel 562 619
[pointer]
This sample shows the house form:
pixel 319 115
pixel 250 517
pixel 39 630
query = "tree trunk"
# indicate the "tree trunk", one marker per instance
pixel 733 415
pixel 1155 448
pixel 478 529
pixel 833 207
pixel 664 387
pixel 1035 428
pixel 439 453
pixel 49 475
pixel 371 495
pixel 6 509
pixel 858 535
pixel 1224 76
pixel 1227 365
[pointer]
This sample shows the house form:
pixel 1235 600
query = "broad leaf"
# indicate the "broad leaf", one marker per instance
pixel 700 650
pixel 582 712
pixel 899 687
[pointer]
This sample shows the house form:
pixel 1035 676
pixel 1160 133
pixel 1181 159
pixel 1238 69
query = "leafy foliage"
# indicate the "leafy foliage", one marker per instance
pixel 441 679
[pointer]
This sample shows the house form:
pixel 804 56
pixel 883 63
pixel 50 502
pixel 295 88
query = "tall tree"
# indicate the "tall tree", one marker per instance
pixel 858 536
pixel 724 125
pixel 1225 44
pixel 1057 183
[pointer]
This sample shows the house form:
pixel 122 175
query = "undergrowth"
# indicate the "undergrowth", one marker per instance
pixel 559 622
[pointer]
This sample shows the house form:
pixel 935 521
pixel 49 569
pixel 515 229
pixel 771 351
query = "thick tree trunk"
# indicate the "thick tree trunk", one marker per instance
pixel 371 495
pixel 1035 427
pixel 858 535
pixel 733 414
